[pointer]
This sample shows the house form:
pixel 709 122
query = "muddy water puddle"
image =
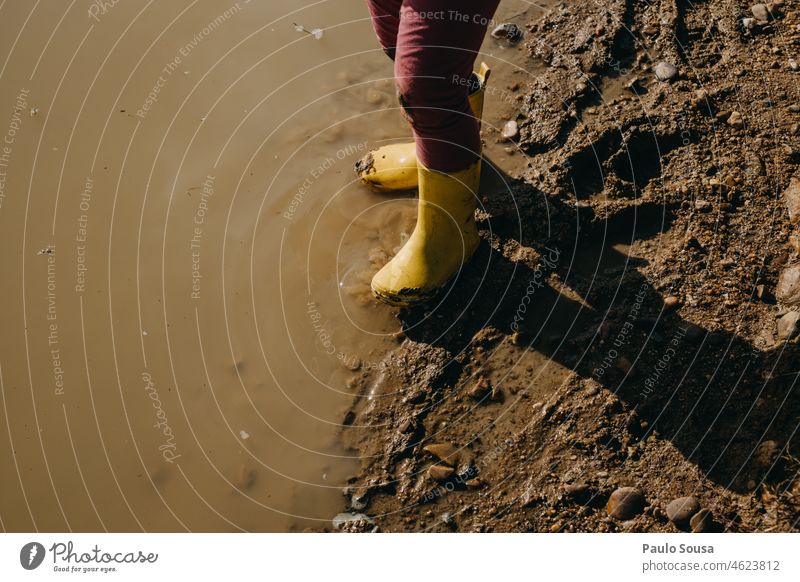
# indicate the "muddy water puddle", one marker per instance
pixel 188 258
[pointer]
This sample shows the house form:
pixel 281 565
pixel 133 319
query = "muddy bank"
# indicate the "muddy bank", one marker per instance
pixel 630 319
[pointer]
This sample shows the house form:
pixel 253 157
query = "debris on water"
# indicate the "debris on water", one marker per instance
pixel 244 435
pixel 508 31
pixel 315 32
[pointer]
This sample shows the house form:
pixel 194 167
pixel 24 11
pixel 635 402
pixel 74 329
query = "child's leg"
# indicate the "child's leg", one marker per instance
pixel 437 44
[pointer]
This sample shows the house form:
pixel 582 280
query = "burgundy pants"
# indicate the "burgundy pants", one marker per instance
pixel 434 44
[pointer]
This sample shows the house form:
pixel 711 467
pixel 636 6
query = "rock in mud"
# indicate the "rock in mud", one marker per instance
pixel 761 12
pixel 735 119
pixel 791 197
pixel 789 326
pixel 359 500
pixel 352 522
pixel 681 510
pixel 788 290
pixel 666 71
pixel 625 503
pixel 440 472
pixel 445 453
pixel 481 389
pixel 508 31
pixel 702 521
pixel 510 130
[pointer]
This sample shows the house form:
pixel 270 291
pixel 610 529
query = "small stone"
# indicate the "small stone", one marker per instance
pixel 702 521
pixel 440 472
pixel 791 197
pixel 681 510
pixel 671 302
pixel 359 500
pixel 793 64
pixel 446 453
pixel 480 389
pixel 510 130
pixel 702 205
pixel 625 503
pixel 665 71
pixel 761 12
pixel 348 520
pixel 789 326
pixel 749 23
pixel 788 290
pixel 508 31
pixel 735 119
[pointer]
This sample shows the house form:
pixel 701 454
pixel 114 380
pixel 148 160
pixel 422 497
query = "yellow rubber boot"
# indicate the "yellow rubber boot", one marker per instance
pixel 444 238
pixel 393 167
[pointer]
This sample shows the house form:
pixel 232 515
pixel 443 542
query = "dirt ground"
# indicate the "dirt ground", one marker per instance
pixel 630 318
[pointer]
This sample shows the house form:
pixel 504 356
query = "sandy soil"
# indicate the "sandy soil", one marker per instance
pixel 630 319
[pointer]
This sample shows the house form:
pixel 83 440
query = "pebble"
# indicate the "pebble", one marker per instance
pixel 760 12
pixel 666 71
pixel 440 472
pixel 359 500
pixel 508 31
pixel 702 205
pixel 702 521
pixel 343 519
pixel 480 389
pixel 671 302
pixel 789 326
pixel 793 64
pixel 681 510
pixel 788 290
pixel 625 503
pixel 510 130
pixel 446 453
pixel 791 197
pixel 749 23
pixel 735 119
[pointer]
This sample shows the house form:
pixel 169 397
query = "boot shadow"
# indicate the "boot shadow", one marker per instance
pixel 711 393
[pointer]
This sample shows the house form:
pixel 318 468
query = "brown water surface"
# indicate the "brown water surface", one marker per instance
pixel 187 258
